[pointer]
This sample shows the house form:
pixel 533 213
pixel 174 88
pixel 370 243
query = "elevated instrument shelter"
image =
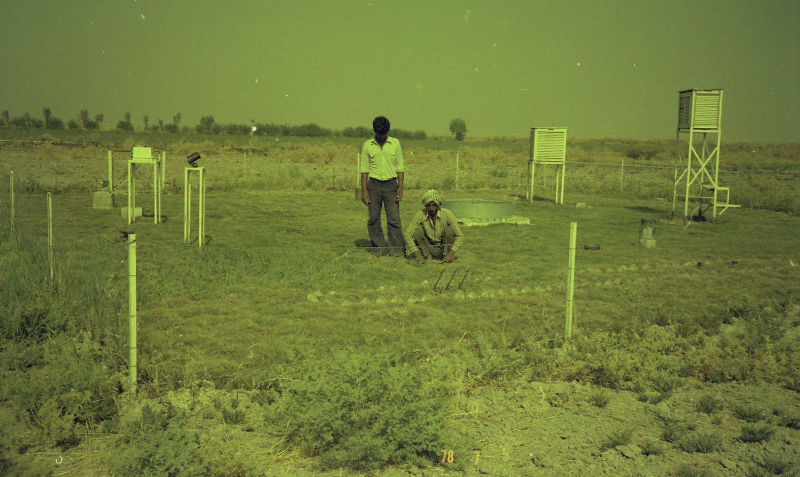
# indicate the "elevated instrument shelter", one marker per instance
pixel 548 146
pixel 697 172
pixel 144 155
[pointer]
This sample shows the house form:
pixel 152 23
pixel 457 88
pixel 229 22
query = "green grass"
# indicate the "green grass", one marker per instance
pixel 237 315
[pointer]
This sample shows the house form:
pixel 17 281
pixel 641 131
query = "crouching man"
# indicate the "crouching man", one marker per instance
pixel 434 233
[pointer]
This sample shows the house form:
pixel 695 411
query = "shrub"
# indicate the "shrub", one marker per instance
pixel 700 442
pixel 708 404
pixel 756 432
pixel 618 438
pixel 599 398
pixel 673 431
pixel 233 414
pixel 363 412
pixel 653 448
pixel 768 465
pixel 158 444
pixel 748 413
pixel 790 421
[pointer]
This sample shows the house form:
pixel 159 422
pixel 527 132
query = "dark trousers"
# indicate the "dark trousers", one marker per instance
pixel 436 251
pixel 383 194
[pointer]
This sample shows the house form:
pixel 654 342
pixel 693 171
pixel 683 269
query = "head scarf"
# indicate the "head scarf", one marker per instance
pixel 432 196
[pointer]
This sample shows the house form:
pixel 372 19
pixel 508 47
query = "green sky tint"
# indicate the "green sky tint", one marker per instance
pixel 601 68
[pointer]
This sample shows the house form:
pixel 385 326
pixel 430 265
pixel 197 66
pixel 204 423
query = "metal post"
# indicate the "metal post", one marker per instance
pixel 573 236
pixel 558 177
pixel 244 171
pixel 457 170
pixel 131 191
pixel 156 185
pixel 187 195
pixel 50 235
pixel 201 207
pixel 13 221
pixel 132 308
pixel 563 177
pixel 689 179
pixel 110 172
pixel 533 177
pixel 163 171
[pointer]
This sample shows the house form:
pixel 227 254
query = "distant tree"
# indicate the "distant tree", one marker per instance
pixel 27 118
pixel 176 120
pixel 83 118
pixel 72 124
pixel 126 124
pixel 359 131
pixel 206 125
pixel 171 128
pixel 310 130
pixel 5 119
pixel 98 118
pixel 401 133
pixel 47 113
pixel 160 124
pixel 459 128
pixel 420 135
pixel 238 129
pixel 56 123
pixel 146 120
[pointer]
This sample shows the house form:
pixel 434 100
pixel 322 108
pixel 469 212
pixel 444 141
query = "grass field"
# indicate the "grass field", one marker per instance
pixel 283 347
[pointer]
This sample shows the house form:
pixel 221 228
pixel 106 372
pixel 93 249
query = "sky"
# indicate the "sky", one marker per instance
pixel 606 68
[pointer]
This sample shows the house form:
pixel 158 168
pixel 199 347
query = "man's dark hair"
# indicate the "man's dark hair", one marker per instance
pixel 380 125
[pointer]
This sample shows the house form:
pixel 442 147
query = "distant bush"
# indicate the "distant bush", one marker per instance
pixel 359 131
pixel 364 412
pixel 123 125
pixel 55 123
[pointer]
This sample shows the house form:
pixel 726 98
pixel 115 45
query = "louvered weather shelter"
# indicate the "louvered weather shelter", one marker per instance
pixel 697 172
pixel 548 146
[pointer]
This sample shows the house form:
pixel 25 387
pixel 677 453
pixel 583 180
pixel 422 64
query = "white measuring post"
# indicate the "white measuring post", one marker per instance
pixel 573 238
pixel 132 367
pixel 50 236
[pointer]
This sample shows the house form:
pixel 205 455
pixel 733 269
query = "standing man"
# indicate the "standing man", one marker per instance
pixel 381 167
pixel 434 232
